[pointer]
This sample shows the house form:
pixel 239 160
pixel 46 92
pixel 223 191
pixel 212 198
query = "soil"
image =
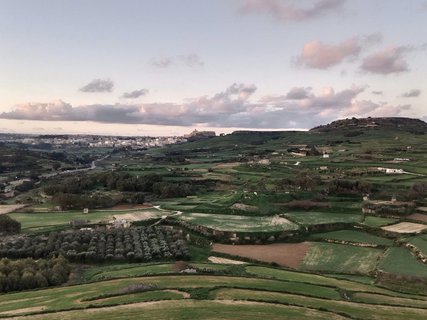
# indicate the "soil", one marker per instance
pixel 8 208
pixel 224 260
pixel 405 227
pixel 130 206
pixel 418 216
pixel 284 254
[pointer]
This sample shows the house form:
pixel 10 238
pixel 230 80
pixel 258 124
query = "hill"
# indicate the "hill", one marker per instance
pixel 415 126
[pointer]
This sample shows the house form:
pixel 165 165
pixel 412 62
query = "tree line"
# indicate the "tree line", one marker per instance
pixel 90 191
pixel 26 274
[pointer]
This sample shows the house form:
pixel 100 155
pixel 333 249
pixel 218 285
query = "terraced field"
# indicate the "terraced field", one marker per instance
pixel 260 291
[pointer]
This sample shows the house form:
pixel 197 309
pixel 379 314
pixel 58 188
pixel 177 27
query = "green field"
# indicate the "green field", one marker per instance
pixel 50 221
pixel 420 242
pixel 353 236
pixel 329 257
pixel 314 218
pixel 283 290
pixel 254 185
pixel 376 222
pixel 399 260
pixel 239 223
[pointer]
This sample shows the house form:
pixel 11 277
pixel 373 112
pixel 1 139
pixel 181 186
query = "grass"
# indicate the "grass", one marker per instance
pixel 329 257
pixel 357 310
pixel 77 296
pixel 97 273
pixel 49 221
pixel 420 242
pixel 307 218
pixel 376 222
pixel 236 223
pixel 194 309
pixel 345 282
pixel 353 236
pixel 399 260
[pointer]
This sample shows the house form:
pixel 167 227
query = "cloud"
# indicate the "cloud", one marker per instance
pixel 411 93
pixel 387 61
pixel 235 106
pixel 286 10
pixel 191 60
pixel 378 93
pixel 135 94
pixel 98 85
pixel 161 62
pixel 319 55
pixel 298 93
pixel 51 111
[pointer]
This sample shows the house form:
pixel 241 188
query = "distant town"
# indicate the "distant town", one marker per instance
pixel 99 141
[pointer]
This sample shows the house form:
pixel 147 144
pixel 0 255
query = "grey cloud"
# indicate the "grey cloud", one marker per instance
pixel 378 93
pixel 298 93
pixel 98 85
pixel 161 62
pixel 233 107
pixel 412 93
pixel 387 61
pixel 135 94
pixel 189 60
pixel 286 10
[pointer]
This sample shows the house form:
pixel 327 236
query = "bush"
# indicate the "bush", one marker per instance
pixel 9 225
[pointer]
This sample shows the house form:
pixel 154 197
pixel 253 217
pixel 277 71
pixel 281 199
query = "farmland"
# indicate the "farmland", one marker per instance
pixel 278 289
pixel 237 223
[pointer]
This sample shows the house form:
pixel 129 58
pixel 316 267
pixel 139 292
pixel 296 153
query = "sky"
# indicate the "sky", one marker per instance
pixel 165 67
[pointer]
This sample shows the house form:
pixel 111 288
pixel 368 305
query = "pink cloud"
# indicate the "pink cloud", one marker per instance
pixel 387 61
pixel 320 55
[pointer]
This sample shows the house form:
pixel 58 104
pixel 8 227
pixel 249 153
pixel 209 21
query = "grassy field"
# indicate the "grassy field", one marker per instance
pixel 329 257
pixel 348 309
pixel 239 223
pixel 313 218
pixel 353 236
pixel 284 291
pixel 193 309
pixel 399 260
pixel 420 242
pixel 49 221
pixel 97 273
pixel 376 222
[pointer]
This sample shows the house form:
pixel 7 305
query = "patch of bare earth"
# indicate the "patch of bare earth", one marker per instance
pixel 405 227
pixel 130 206
pixel 244 207
pixel 224 260
pixel 284 254
pixel 185 295
pixel 23 310
pixel 8 208
pixel 228 165
pixel 418 217
pixel 139 216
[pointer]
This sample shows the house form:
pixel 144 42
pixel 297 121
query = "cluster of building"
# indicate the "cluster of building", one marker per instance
pixel 92 141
